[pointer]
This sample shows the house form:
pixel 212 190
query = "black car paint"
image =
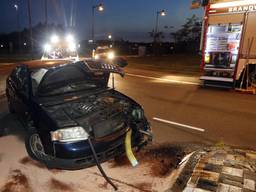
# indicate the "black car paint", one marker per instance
pixel 74 155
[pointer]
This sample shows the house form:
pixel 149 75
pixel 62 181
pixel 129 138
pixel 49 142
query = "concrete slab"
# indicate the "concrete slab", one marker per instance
pixel 232 171
pixel 249 184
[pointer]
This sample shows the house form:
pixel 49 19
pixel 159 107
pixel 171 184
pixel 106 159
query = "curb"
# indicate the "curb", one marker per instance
pixel 221 169
pixel 185 174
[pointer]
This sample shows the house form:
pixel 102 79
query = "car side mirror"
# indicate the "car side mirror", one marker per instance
pixel 120 62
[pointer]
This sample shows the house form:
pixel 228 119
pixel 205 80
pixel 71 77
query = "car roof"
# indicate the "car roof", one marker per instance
pixel 89 64
pixel 38 64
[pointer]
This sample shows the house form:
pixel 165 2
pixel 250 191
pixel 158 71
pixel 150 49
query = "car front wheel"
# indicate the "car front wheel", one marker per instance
pixel 35 148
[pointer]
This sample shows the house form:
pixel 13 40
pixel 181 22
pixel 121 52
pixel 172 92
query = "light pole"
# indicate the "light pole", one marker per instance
pixel 100 8
pixel 16 6
pixel 110 40
pixel 46 14
pixel 158 13
pixel 30 26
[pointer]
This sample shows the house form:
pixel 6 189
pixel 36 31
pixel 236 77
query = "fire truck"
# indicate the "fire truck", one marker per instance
pixel 228 44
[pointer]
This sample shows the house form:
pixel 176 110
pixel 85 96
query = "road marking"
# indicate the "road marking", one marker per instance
pixel 163 79
pixel 179 124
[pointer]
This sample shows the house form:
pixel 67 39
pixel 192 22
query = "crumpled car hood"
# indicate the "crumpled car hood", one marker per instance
pixel 100 115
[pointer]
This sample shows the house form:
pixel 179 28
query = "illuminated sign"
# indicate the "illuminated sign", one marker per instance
pixel 223 1
pixel 233 7
pixel 242 8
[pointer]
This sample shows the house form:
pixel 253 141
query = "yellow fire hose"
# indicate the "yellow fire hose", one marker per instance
pixel 128 149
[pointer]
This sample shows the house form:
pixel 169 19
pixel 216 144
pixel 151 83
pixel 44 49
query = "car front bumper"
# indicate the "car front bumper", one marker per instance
pixel 72 156
pixel 88 159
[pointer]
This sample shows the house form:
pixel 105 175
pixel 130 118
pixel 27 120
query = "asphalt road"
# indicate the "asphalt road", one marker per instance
pixel 188 113
pixel 225 116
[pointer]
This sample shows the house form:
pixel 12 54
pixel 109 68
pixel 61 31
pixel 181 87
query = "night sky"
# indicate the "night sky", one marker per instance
pixel 127 19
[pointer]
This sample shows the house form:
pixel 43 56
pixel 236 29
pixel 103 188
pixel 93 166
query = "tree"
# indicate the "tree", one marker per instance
pixel 157 37
pixel 188 37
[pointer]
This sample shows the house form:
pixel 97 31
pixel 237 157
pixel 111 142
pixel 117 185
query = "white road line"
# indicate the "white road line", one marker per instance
pixel 163 79
pixel 178 124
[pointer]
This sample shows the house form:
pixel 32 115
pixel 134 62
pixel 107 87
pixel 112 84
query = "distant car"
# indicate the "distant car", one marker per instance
pixel 62 105
pixel 104 52
pixel 108 54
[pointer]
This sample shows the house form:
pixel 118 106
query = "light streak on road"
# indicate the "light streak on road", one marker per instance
pixel 178 124
pixel 163 79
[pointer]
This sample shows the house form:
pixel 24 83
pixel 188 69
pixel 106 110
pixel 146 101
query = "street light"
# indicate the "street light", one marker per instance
pixel 54 39
pixel 110 40
pixel 16 6
pixel 70 38
pixel 162 13
pixel 100 8
pixel 47 47
pixel 158 13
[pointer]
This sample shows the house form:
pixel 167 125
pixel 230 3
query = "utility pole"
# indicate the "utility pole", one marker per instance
pixel 30 26
pixel 156 27
pixel 16 6
pixel 93 15
pixel 158 13
pixel 100 8
pixel 46 13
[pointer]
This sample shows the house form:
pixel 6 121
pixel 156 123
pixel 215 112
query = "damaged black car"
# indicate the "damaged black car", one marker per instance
pixel 69 108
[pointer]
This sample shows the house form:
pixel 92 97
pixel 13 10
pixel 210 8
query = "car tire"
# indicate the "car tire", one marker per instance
pixel 35 147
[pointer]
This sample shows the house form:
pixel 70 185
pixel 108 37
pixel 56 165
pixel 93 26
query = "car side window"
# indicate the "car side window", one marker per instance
pixel 21 79
pixel 14 77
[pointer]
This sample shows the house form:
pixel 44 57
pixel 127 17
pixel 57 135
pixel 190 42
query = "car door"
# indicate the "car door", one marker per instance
pixel 21 98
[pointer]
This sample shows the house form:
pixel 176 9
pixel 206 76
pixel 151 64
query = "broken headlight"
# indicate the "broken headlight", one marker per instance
pixel 69 134
pixel 138 114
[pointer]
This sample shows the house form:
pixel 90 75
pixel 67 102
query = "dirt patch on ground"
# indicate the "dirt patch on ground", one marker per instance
pixel 29 161
pixel 56 185
pixel 162 159
pixel 144 186
pixel 18 182
pixel 1 156
pixel 104 185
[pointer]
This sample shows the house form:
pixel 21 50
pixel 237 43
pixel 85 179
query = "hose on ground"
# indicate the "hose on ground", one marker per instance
pixel 100 167
pixel 128 149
